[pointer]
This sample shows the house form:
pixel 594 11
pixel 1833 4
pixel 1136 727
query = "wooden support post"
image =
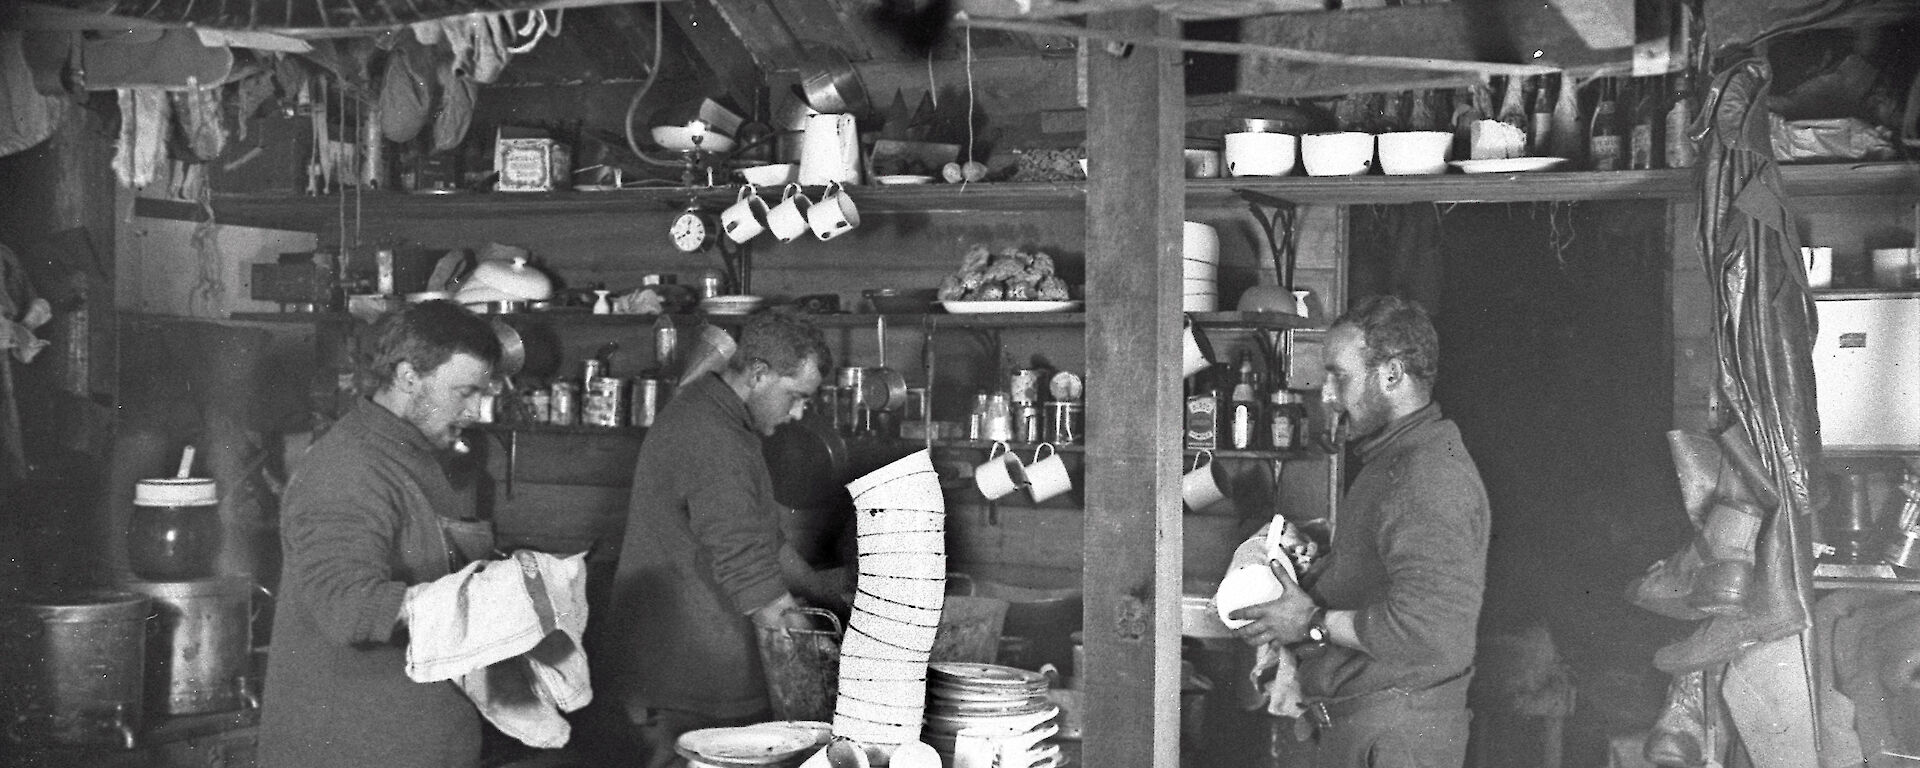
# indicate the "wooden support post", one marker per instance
pixel 1132 562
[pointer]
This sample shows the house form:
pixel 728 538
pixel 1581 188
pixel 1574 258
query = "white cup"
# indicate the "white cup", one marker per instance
pixel 1000 474
pixel 1895 267
pixel 788 220
pixel 1347 153
pixel 1819 263
pixel 1258 153
pixel 1047 477
pixel 1200 487
pixel 747 217
pixel 1202 163
pixel 834 214
pixel 1193 359
pixel 1414 152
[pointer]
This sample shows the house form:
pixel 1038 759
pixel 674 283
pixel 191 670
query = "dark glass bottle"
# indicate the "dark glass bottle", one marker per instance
pixel 1606 148
pixel 1646 115
pixel 1682 108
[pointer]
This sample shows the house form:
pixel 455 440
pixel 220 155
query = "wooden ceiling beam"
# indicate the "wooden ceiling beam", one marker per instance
pixel 725 53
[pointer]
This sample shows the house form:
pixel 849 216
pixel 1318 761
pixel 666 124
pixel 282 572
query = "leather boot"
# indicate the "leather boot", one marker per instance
pixel 1697 464
pixel 1678 738
pixel 1727 544
pixel 1667 586
pixel 1773 611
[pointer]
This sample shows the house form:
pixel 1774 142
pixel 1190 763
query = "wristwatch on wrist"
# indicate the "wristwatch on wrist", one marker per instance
pixel 1317 626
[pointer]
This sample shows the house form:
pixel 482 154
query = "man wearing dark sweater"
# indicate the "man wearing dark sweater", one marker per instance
pixel 1385 626
pixel 369 513
pixel 701 561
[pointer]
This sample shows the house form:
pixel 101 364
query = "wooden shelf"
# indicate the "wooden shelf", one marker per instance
pixel 1884 585
pixel 1224 320
pixel 1218 453
pixel 301 212
pixel 559 429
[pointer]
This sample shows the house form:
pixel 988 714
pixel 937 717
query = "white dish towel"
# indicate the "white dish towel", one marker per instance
pixel 509 630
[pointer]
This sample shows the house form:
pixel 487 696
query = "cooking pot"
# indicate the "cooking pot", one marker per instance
pixel 199 651
pixel 513 350
pixel 883 388
pixel 74 667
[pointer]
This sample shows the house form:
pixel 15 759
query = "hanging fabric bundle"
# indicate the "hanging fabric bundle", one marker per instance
pixel 901 521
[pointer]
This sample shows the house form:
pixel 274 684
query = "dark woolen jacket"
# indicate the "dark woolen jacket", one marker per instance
pixel 359 524
pixel 701 551
pixel 1410 555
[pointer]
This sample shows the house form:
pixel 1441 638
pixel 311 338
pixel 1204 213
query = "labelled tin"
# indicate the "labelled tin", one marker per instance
pixel 564 410
pixel 649 395
pixel 1066 422
pixel 1024 386
pixel 603 403
pixel 539 405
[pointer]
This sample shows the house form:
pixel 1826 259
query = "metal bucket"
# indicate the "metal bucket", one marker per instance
pixel 969 625
pixel 802 667
pixel 73 668
pixel 199 653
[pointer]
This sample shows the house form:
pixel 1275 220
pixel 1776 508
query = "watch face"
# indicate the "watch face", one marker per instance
pixel 1066 386
pixel 689 232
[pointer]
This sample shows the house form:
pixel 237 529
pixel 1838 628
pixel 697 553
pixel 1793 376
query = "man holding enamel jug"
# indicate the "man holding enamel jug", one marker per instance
pixel 1384 629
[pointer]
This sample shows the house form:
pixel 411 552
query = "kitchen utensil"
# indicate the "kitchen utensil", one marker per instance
pixel 1047 474
pixel 74 666
pixel 175 530
pixel 680 138
pixel 834 214
pixel 513 350
pixel 747 217
pixel 1258 153
pixel 771 175
pixel 898 301
pixel 1244 586
pixel 883 388
pixel 994 307
pixel 829 150
pixel 1202 163
pixel 1507 164
pixel 829 83
pixel 1347 153
pixel 1414 152
pixel 1201 486
pixel 201 645
pixel 802 664
pixel 788 218
pixel 1000 474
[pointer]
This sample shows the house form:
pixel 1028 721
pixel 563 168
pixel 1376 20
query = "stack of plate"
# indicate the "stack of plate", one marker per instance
pixel 1200 267
pixel 990 715
pixel 731 305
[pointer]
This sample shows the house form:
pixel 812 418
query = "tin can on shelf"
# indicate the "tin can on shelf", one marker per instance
pixel 539 405
pixel 603 403
pixel 648 397
pixel 712 284
pixel 564 410
pixel 917 404
pixel 1066 422
pixel 590 370
pixel 1024 386
pixel 1027 423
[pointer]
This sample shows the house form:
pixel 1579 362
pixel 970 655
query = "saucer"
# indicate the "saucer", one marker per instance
pixel 1507 164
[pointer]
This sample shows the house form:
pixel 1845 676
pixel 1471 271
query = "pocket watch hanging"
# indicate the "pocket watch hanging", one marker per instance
pixel 693 230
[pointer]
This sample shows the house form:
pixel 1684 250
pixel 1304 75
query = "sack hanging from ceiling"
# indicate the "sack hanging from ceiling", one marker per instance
pixel 27 117
pixel 406 97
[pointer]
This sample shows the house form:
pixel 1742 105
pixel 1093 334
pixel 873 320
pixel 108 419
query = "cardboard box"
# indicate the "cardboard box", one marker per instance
pixel 530 163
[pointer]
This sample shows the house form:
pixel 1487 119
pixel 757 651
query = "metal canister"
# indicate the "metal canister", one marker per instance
pixel 712 283
pixel 917 404
pixel 564 410
pixel 603 404
pixel 1026 422
pixel 826 402
pixel 1024 386
pixel 852 409
pixel 648 397
pixel 1065 421
pixel 539 405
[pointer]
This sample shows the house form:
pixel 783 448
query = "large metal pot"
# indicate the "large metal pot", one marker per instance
pixel 72 666
pixel 199 653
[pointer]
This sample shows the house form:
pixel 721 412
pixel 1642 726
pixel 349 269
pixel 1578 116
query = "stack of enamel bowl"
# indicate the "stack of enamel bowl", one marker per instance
pixel 1200 267
pixel 986 715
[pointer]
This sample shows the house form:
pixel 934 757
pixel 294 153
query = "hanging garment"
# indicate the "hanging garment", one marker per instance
pixel 27 117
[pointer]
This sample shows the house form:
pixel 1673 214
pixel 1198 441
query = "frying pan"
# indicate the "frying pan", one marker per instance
pixel 513 350
pixel 883 388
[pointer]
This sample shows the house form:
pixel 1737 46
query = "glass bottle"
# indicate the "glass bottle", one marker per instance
pixel 1540 115
pixel 1243 411
pixel 1286 421
pixel 1513 106
pixel 1567 137
pixel 1605 147
pixel 1645 115
pixel 1683 106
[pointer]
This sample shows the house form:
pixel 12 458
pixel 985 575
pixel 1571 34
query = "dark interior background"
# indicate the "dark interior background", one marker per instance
pixel 1556 363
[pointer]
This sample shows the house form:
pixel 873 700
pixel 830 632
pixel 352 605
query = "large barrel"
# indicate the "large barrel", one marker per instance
pixel 74 668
